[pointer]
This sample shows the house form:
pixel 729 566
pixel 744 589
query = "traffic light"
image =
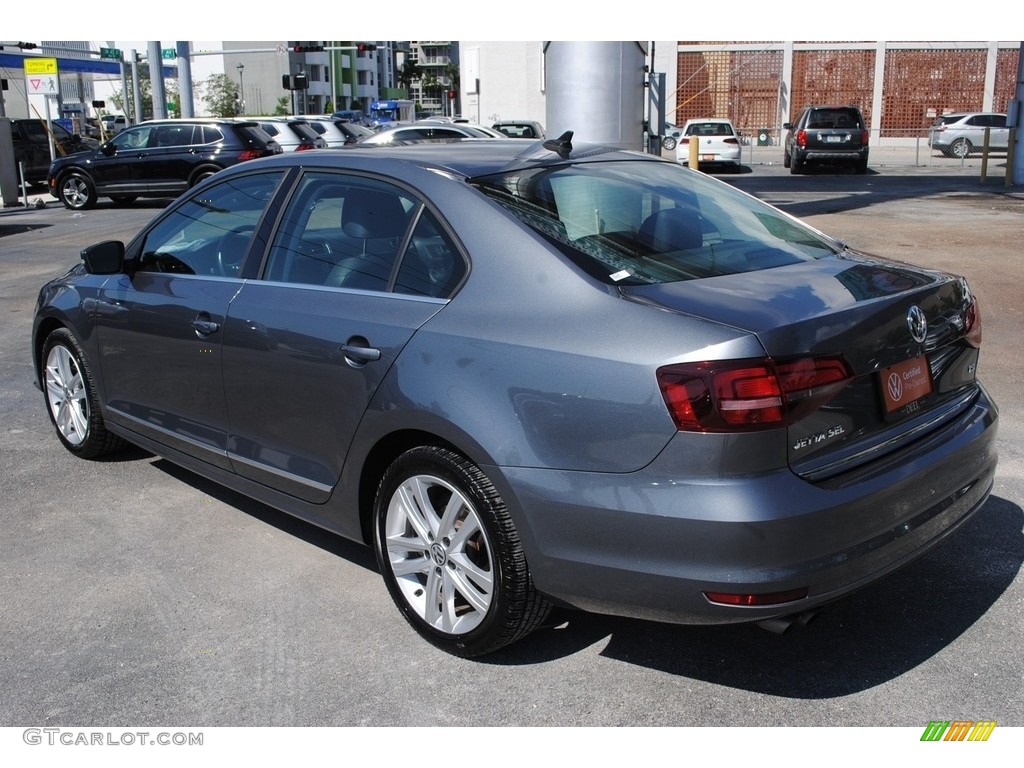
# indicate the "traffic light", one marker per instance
pixel 286 82
pixel 307 48
pixel 27 46
pixel 301 81
pixel 451 94
pixel 364 47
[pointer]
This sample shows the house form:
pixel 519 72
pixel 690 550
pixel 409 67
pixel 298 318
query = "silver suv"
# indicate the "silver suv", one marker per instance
pixel 959 134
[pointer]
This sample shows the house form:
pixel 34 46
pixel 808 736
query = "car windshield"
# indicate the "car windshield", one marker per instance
pixel 634 223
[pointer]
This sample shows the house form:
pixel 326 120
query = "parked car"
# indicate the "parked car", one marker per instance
pixel 520 129
pixel 580 376
pixel 31 139
pixel 717 140
pixel 330 130
pixel 960 134
pixel 670 138
pixel 159 158
pixel 422 131
pixel 293 134
pixel 113 124
pixel 828 136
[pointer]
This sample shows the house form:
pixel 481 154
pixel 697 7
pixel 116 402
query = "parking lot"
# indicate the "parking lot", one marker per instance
pixel 134 592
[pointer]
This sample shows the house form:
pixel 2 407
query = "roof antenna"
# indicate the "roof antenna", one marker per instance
pixel 562 145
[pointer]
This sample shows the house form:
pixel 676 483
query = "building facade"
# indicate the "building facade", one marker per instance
pixel 901 87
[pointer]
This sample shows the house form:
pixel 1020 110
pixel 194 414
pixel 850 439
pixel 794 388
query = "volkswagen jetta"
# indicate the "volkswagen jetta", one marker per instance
pixel 535 376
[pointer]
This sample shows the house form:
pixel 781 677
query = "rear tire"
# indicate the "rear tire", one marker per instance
pixel 450 554
pixel 796 165
pixel 960 149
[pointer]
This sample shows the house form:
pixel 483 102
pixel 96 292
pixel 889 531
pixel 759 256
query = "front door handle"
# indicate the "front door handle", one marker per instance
pixel 205 327
pixel 360 353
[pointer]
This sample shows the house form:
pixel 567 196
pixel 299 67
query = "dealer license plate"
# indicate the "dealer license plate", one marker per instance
pixel 905 383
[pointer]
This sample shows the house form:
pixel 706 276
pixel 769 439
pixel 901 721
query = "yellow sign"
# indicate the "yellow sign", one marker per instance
pixel 40 66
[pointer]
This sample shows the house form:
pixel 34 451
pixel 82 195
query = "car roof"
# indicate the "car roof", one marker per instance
pixel 469 158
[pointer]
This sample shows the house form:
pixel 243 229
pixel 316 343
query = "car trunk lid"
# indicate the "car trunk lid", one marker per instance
pixel 903 332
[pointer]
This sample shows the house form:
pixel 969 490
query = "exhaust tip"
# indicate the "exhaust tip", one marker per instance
pixel 783 624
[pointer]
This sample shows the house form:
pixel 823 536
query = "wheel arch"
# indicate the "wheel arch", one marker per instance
pixel 379 458
pixel 202 173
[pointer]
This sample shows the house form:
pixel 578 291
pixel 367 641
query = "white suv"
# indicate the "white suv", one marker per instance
pixel 959 134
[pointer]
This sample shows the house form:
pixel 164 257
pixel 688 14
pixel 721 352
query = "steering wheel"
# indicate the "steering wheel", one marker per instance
pixel 231 249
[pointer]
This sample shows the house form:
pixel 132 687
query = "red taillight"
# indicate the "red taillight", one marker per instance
pixel 684 140
pixel 801 138
pixel 304 146
pixel 864 136
pixel 250 154
pixel 972 324
pixel 744 395
pixel 765 598
pixel 731 141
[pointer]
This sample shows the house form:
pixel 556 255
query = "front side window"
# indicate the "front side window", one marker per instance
pixel 132 138
pixel 209 234
pixel 633 223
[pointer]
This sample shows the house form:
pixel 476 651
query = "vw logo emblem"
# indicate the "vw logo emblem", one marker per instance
pixel 895 388
pixel 917 323
pixel 437 554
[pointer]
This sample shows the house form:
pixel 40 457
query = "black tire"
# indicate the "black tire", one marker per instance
pixel 76 191
pixel 796 165
pixel 124 199
pixel 202 176
pixel 71 399
pixel 484 596
pixel 960 148
pixel 862 166
pixel 786 161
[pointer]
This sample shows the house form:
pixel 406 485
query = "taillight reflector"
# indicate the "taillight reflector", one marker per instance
pixel 766 598
pixel 744 395
pixel 801 138
pixel 250 154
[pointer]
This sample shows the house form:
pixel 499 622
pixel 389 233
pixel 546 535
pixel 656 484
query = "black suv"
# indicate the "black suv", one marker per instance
pixel 827 135
pixel 32 146
pixel 158 158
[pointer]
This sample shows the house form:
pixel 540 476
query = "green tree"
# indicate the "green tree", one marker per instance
pixel 408 74
pixel 282 106
pixel 221 95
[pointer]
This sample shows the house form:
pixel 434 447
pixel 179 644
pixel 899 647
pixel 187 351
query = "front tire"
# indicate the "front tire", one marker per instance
pixel 450 554
pixel 71 398
pixel 668 143
pixel 76 191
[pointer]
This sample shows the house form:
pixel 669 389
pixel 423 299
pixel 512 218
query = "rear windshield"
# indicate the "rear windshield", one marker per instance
pixel 253 135
pixel 834 118
pixel 709 129
pixel 641 222
pixel 304 131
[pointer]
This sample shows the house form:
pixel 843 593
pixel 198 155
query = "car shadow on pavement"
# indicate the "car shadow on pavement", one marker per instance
pixel 352 551
pixel 860 642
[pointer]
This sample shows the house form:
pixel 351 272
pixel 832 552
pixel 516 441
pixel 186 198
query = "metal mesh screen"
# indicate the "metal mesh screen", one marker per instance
pixel 833 77
pixel 740 85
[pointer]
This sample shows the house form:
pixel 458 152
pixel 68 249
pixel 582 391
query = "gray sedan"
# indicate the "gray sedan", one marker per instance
pixel 567 376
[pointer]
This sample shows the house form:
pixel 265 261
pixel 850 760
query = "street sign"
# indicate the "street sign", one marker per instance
pixel 46 85
pixel 168 53
pixel 110 53
pixel 41 66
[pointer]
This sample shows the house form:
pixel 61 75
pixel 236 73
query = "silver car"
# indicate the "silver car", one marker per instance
pixel 958 135
pixel 559 376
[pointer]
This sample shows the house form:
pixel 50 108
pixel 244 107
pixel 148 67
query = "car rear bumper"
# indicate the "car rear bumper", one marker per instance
pixel 652 544
pixel 834 156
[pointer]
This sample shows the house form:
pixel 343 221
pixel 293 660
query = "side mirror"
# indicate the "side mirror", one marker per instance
pixel 108 149
pixel 787 126
pixel 106 258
